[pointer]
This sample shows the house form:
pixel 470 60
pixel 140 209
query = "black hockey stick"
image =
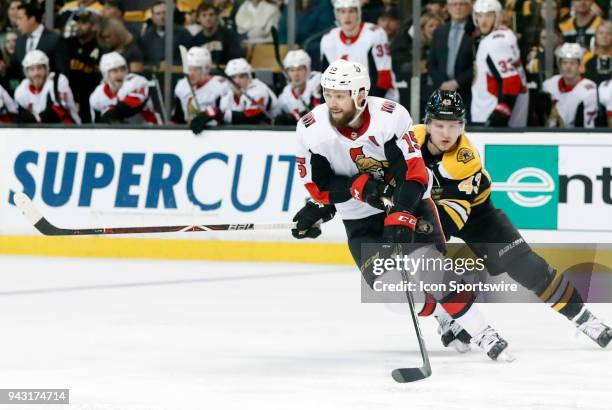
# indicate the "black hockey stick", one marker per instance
pixel 413 374
pixel 276 43
pixel 45 227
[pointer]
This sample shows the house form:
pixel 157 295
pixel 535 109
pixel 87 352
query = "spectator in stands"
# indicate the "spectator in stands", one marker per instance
pixel 65 19
pixel 153 43
pixel 198 95
pixel 34 36
pixel 113 9
pixel 451 54
pixel 223 44
pixel 598 64
pixel 389 21
pixel 535 71
pixel 255 18
pixel 303 92
pixel 438 7
pixel 312 17
pixel 84 55
pixel 6 55
pixel 44 96
pixel 605 99
pixel 13 6
pixel 227 13
pixel 122 97
pixel 250 101
pixel 573 98
pixel 115 37
pixel 581 28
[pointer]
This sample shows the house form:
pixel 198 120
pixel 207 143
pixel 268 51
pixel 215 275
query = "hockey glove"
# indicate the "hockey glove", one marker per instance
pixel 308 217
pixel 24 117
pixel 500 116
pixel 119 113
pixel 200 122
pixel 52 114
pixel 285 119
pixel 366 189
pixel 399 228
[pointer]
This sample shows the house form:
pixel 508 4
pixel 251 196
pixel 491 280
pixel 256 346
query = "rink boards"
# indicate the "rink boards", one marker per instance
pixel 554 186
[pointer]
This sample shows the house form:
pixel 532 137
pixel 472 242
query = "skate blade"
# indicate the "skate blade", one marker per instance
pixel 459 347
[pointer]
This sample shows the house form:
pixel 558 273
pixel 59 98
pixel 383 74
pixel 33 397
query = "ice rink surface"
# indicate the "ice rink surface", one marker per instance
pixel 125 334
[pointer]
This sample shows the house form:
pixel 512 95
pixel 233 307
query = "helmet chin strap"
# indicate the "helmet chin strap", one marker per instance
pixel 359 111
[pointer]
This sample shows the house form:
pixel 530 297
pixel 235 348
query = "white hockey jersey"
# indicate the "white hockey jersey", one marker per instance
pixel 134 92
pixel 370 40
pixel 206 94
pixel 571 103
pixel 323 148
pixel 310 96
pixel 260 97
pixel 8 106
pixel 605 98
pixel 36 100
pixel 499 72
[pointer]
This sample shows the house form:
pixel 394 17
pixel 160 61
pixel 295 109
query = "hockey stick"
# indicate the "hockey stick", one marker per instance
pixel 276 43
pixel 45 227
pixel 243 92
pixel 184 52
pixel 413 374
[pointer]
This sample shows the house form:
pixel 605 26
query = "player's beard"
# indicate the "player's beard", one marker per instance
pixel 343 121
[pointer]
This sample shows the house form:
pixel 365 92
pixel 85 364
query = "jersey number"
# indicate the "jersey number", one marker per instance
pixel 301 166
pixel 382 49
pixel 411 140
pixel 470 185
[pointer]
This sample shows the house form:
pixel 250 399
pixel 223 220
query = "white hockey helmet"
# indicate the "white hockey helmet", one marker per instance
pixel 199 57
pixel 33 58
pixel 347 4
pixel 486 6
pixel 237 66
pixel 570 51
pixel 348 76
pixel 297 58
pixel 110 61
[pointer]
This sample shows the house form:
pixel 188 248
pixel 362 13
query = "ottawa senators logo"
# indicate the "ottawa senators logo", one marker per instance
pixel 368 164
pixel 465 155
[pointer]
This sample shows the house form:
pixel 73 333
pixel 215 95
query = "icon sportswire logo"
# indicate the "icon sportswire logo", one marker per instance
pixel 522 181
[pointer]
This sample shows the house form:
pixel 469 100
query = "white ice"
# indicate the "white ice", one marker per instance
pixel 124 334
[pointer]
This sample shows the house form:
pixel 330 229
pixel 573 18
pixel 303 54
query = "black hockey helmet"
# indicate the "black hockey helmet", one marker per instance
pixel 445 105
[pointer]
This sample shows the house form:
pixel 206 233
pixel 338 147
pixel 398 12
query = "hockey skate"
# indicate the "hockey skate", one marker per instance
pixel 594 328
pixel 493 345
pixel 452 334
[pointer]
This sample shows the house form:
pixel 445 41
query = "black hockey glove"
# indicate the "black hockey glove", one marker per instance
pixel 51 114
pixel 308 217
pixel 500 116
pixel 366 189
pixel 200 122
pixel 119 113
pixel 24 117
pixel 285 119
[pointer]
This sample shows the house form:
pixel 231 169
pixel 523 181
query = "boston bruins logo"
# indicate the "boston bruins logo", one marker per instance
pixel 465 155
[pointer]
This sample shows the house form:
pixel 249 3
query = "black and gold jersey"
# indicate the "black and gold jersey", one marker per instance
pixel 460 181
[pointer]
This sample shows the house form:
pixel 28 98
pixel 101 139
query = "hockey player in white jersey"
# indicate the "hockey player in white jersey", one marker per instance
pixel 201 111
pixel 122 97
pixel 605 99
pixel 573 98
pixel 362 42
pixel 249 101
pixel 499 92
pixel 355 150
pixel 44 96
pixel 303 92
pixel 8 106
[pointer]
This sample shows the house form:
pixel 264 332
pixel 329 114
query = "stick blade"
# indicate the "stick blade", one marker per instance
pixel 411 374
pixel 27 208
pixel 183 51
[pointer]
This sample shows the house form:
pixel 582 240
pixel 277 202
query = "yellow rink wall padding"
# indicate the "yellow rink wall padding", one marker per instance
pixel 561 256
pixel 96 247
